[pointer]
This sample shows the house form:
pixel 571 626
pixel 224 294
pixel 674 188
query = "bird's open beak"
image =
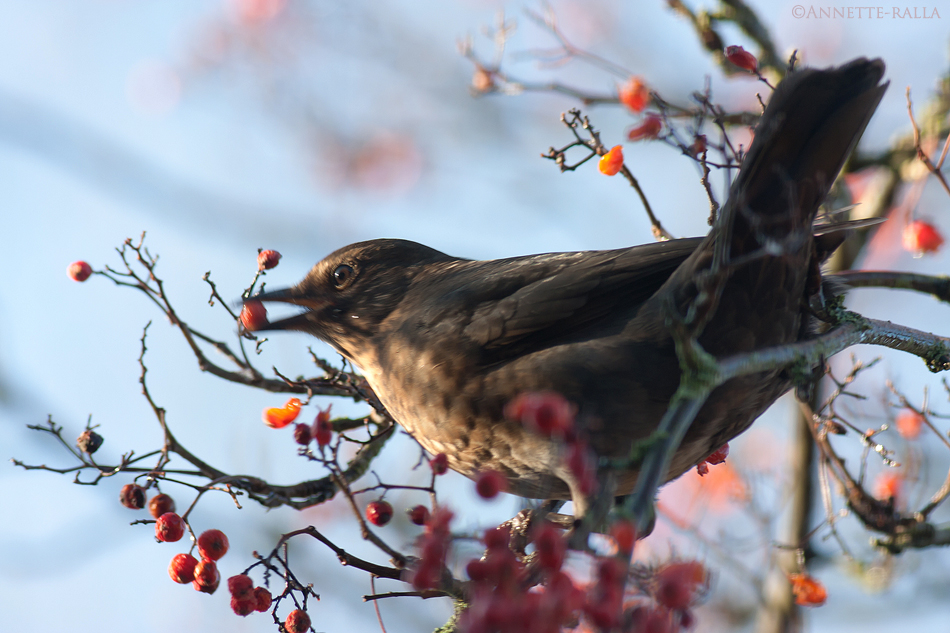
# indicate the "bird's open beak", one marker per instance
pixel 284 295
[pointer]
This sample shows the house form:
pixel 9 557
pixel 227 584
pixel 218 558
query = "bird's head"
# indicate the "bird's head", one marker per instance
pixel 350 292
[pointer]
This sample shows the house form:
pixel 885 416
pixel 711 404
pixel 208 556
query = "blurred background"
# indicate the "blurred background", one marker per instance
pixel 222 126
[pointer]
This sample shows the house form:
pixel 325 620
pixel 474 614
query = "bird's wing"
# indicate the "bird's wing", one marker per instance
pixel 584 289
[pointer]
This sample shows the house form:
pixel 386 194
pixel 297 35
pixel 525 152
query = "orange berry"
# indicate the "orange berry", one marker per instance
pixel 634 94
pixel 648 130
pixel 297 622
pixel 808 591
pixel 921 237
pixel 278 418
pixel 888 485
pixel 908 424
pixel 742 58
pixel 611 162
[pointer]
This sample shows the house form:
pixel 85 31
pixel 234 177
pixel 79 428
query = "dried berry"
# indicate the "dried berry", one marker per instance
pixel 243 606
pixel 79 271
pixel 648 129
pixel 89 441
pixel 240 585
pixel 263 598
pixel 160 504
pixel 132 496
pixel 212 544
pixel 182 568
pixel 379 512
pixel 302 434
pixel 169 527
pixel 267 259
pixel 297 622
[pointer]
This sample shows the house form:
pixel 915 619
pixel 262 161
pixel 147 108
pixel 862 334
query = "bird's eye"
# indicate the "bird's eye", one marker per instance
pixel 343 275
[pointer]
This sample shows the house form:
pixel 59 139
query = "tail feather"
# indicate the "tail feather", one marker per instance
pixel 809 128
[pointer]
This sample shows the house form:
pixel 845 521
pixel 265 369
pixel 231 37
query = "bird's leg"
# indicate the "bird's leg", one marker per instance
pixel 591 510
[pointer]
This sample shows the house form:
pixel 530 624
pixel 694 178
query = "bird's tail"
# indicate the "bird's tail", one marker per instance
pixel 809 128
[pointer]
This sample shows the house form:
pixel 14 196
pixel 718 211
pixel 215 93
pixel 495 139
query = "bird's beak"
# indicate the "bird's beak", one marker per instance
pixel 285 295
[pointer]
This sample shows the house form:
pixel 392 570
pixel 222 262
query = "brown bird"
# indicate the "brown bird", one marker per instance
pixel 446 343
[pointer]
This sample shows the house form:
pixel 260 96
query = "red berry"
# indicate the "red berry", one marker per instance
pixel 132 496
pixel 240 586
pixel 742 58
pixel 263 598
pixel 297 622
pixel 243 606
pixel 545 412
pixel 921 237
pixel 551 547
pixel 212 544
pixel 79 271
pixel 477 570
pixel 419 515
pixel 624 534
pixel 89 441
pixel 676 584
pixel 169 528
pixel 160 504
pixel 496 538
pixel 253 315
pixel 267 259
pixel 321 430
pixel 182 568
pixel 649 129
pixel 490 483
pixel 207 577
pixel 719 456
pixel 439 464
pixel 379 512
pixel 302 434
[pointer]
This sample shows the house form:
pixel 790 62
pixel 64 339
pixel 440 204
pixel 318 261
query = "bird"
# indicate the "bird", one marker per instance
pixel 446 343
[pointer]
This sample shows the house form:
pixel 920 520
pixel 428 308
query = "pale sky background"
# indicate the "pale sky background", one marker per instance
pixel 118 116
